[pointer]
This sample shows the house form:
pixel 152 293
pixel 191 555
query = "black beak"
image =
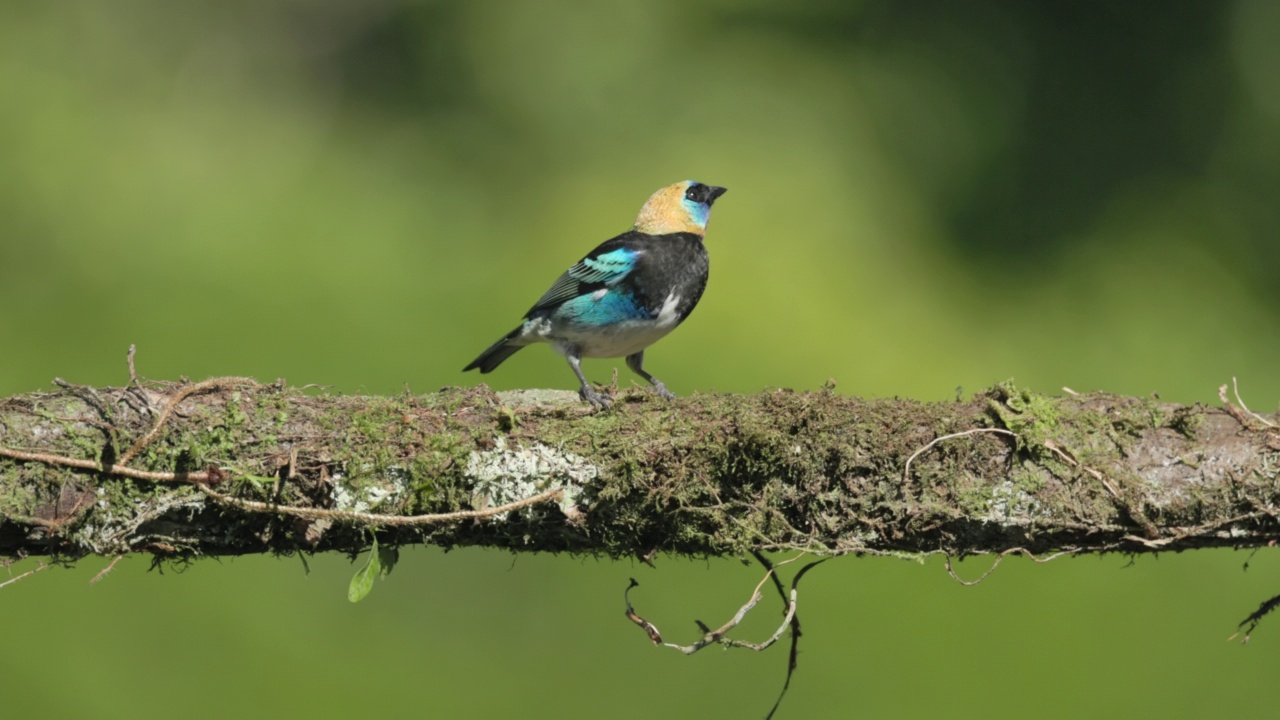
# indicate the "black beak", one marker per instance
pixel 714 192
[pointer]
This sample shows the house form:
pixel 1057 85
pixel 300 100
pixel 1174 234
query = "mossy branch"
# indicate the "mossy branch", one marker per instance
pixel 230 466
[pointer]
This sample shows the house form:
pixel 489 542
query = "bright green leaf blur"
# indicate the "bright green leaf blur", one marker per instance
pixel 362 582
pixel 922 197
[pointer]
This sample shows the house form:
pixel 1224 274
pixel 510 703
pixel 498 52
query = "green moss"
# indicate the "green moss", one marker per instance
pixel 1034 418
pixel 19 500
pixel 1027 480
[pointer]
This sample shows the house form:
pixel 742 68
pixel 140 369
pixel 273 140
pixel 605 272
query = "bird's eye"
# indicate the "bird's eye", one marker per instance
pixel 693 194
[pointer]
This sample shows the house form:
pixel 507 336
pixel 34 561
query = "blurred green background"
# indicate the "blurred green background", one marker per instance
pixel 923 196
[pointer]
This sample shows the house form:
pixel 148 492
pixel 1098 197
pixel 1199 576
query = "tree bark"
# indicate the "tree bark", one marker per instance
pixel 230 467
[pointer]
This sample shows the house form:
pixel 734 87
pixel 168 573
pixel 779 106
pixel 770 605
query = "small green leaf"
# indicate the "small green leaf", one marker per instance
pixel 362 582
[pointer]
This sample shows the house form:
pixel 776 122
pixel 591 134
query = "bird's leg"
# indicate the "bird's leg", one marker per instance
pixel 636 363
pixel 586 392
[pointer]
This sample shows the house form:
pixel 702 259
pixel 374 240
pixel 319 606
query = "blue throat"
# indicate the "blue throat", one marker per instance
pixel 698 212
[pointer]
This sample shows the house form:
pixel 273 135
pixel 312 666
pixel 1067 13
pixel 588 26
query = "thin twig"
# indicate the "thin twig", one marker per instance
pixel 906 470
pixel 1236 387
pixel 970 583
pixel 649 628
pixel 1000 558
pixel 375 518
pixel 133 373
pixel 106 570
pixel 1070 459
pixel 177 397
pixel 30 572
pixel 116 469
pixel 793 613
pixel 711 637
pixel 793 656
pixel 134 387
pixel 1254 618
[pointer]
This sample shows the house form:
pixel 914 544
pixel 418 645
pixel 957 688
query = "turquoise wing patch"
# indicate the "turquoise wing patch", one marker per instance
pixel 588 275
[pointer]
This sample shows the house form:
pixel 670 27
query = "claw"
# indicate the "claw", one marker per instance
pixel 589 394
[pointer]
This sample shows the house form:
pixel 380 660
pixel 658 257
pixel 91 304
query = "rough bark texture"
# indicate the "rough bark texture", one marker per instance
pixel 704 475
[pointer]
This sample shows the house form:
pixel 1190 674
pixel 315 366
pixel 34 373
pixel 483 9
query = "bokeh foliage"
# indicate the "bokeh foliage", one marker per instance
pixel 923 196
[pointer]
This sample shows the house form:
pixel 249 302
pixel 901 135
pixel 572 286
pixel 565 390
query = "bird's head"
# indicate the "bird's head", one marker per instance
pixel 683 207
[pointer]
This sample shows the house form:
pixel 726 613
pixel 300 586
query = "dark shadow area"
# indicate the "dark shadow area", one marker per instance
pixel 1093 100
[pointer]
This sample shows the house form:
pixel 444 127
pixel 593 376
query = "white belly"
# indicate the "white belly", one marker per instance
pixel 618 339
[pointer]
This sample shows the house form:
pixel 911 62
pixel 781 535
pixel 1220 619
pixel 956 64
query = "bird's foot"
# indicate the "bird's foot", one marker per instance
pixel 662 391
pixel 593 396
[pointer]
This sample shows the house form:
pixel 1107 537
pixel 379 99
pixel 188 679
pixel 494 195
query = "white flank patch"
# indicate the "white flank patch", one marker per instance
pixel 667 315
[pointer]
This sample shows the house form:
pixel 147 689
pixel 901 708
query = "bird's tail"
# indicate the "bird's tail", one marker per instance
pixel 497 352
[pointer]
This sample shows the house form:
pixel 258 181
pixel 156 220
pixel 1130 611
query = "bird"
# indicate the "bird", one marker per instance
pixel 626 294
